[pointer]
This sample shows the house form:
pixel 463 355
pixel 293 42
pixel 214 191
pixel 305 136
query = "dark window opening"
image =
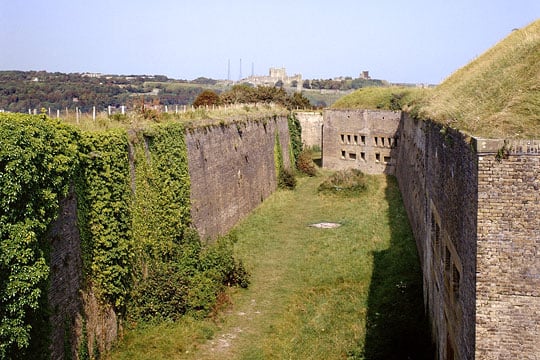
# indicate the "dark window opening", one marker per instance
pixel 355 139
pixel 363 156
pixel 342 138
pixel 348 139
pixel 376 141
pixel 352 156
pixel 378 157
pixel 363 139
pixel 386 159
pixel 343 153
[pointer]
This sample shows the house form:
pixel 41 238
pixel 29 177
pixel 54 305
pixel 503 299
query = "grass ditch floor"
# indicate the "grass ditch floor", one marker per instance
pixel 353 292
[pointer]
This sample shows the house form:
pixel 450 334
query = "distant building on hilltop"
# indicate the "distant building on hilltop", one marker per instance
pixel 275 75
pixel 365 75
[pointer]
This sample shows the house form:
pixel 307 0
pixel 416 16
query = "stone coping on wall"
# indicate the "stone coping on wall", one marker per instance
pixel 503 146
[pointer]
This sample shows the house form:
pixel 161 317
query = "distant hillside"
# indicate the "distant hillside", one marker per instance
pixel 498 94
pixel 23 90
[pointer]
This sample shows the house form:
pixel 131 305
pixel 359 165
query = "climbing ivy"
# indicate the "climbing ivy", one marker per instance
pixel 133 205
pixel 285 177
pixel 38 157
pixel 161 211
pixel 104 214
pixel 295 133
pixel 175 273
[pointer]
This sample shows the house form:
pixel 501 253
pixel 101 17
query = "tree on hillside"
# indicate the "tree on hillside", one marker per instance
pixel 207 98
pixel 242 94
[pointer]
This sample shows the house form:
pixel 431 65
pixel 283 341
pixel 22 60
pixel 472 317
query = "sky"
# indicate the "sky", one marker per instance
pixel 413 41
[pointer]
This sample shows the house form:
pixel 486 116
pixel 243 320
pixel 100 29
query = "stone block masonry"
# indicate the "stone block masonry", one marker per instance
pixel 232 171
pixel 312 126
pixel 361 139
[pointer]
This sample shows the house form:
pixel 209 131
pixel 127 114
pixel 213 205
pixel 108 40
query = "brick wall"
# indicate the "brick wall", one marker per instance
pixel 436 171
pixel 508 269
pixel 362 139
pixel 232 171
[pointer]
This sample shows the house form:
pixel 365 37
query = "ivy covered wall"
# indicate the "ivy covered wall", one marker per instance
pixel 125 232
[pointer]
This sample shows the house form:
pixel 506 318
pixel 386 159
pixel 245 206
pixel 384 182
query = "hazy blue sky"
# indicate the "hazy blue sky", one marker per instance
pixel 401 41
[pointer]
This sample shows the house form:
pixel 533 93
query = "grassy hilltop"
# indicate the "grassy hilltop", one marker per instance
pixel 497 95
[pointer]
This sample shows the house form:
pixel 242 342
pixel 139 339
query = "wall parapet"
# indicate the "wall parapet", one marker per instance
pixel 513 146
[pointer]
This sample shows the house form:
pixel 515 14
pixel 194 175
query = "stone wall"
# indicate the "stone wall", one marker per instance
pixel 312 127
pixel 232 171
pixel 437 174
pixel 361 139
pixel 65 278
pixel 508 268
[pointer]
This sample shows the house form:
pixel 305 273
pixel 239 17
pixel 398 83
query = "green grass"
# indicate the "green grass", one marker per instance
pixel 192 118
pixel 498 94
pixel 386 98
pixel 315 293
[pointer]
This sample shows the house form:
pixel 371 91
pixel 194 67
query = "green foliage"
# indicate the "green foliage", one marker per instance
pixel 285 177
pixel 189 283
pixel 38 157
pixel 242 94
pixel 104 214
pixel 386 98
pixel 350 182
pixel 83 353
pixel 207 98
pixel 295 133
pixel 174 274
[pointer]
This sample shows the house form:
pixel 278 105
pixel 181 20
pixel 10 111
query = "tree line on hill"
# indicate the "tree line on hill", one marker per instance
pixel 24 90
pixel 21 91
pixel 347 83
pixel 245 94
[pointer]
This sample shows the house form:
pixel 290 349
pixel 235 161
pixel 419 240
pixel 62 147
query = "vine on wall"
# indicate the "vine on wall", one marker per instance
pixel 38 157
pixel 295 133
pixel 140 254
pixel 175 274
pixel 104 212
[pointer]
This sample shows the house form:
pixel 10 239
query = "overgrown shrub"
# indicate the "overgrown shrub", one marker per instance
pixel 190 283
pixel 286 179
pixel 305 163
pixel 349 182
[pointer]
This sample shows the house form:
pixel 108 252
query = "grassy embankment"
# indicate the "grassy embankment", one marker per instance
pixel 315 293
pixel 495 96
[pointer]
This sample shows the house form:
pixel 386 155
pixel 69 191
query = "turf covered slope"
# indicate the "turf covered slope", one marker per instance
pixel 498 94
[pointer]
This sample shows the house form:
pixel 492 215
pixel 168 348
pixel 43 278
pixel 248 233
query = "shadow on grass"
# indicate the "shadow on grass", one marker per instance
pixel 396 325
